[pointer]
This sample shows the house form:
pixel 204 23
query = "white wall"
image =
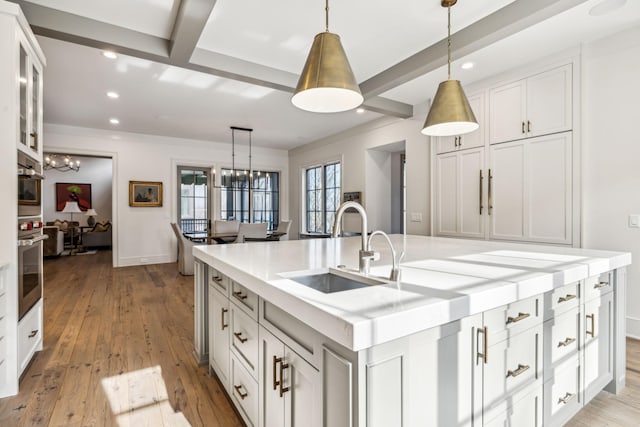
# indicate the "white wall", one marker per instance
pixel 96 171
pixel 143 235
pixel 351 146
pixel 611 154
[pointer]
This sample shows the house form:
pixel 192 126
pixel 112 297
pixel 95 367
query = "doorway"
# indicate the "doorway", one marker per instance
pixel 194 207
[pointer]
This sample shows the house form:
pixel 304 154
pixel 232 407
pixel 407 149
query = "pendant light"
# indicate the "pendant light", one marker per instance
pixel 327 83
pixel 450 113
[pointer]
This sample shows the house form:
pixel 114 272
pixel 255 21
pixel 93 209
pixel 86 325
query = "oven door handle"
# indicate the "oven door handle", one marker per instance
pixel 29 242
pixel 29 173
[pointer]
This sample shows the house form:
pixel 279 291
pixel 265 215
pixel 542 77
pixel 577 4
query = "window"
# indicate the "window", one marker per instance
pixel 236 196
pixel 193 211
pixel 322 197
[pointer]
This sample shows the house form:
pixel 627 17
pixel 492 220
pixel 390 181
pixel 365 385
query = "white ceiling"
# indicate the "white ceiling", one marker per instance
pixel 192 69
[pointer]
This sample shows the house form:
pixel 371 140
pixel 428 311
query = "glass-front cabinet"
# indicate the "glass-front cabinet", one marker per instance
pixel 30 104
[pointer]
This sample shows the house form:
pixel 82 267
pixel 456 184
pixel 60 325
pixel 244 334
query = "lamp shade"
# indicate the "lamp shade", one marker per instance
pixel 71 207
pixel 327 83
pixel 450 113
pixel 91 212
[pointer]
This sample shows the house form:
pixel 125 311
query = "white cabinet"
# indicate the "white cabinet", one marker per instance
pixel 445 144
pixel 30 100
pixel 219 334
pixel 290 388
pixel 459 191
pixel 530 190
pixel 535 106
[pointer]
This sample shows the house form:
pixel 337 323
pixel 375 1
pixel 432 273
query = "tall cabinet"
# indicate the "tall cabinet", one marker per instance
pixel 21 70
pixel 513 180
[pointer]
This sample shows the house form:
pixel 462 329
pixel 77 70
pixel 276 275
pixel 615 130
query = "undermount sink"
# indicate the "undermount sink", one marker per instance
pixel 334 281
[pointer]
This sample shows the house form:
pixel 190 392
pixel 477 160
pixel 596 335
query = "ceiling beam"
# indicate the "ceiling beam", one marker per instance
pixel 505 22
pixel 191 19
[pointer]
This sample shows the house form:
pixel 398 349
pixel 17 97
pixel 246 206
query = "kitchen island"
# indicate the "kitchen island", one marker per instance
pixel 475 332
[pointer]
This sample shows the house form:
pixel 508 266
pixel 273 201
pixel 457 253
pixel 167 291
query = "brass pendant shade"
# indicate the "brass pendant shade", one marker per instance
pixel 450 113
pixel 327 83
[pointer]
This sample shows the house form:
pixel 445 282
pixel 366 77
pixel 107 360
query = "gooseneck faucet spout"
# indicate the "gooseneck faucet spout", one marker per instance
pixel 395 270
pixel 365 256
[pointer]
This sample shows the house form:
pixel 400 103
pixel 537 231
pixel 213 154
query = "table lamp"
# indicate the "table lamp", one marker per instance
pixel 91 213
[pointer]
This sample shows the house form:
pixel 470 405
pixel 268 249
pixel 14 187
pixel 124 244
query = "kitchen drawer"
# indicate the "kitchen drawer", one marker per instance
pixel 29 335
pixel 597 285
pixel 511 365
pixel 245 299
pixel 219 281
pixel 511 319
pixel 561 300
pixel 526 411
pixel 562 399
pixel 244 392
pixel 561 338
pixel 244 339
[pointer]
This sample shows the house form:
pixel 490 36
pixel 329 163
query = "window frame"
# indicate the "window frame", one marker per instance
pixel 304 205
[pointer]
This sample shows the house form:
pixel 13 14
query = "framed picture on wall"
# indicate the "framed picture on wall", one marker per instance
pixel 70 192
pixel 145 193
pixel 28 191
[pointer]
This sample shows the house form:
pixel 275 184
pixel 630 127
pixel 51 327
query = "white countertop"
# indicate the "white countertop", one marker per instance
pixel 443 279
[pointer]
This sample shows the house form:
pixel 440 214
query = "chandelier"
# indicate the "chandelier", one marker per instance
pixel 61 162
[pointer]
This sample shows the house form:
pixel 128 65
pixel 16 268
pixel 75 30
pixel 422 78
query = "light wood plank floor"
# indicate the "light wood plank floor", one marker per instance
pixel 117 351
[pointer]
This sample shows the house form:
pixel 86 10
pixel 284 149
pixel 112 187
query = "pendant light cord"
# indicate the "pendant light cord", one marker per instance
pixel 448 42
pixel 326 13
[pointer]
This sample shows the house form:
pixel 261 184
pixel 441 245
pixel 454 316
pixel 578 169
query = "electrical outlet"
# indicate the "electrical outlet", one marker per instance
pixel 416 217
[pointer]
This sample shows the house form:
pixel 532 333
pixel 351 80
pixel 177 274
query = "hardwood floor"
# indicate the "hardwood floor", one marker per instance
pixel 117 352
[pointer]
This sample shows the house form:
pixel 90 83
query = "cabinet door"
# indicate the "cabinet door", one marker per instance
pixel 459 193
pixel 526 412
pixel 445 144
pixel 506 184
pixel 24 84
pixel 303 400
pixel 271 355
pixel 549 102
pixel 507 105
pixel 219 335
pixel 598 345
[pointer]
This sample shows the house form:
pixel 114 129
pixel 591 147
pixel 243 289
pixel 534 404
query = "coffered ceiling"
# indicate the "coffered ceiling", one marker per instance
pixel 192 68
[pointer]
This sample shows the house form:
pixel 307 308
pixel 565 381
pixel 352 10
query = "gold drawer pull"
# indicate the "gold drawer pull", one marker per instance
pixel 283 366
pixel 240 393
pixel 33 333
pixel 485 344
pixel 239 336
pixel 222 324
pixel 239 295
pixel 521 369
pixel 521 316
pixel 600 285
pixel 566 298
pixel 276 360
pixel 592 332
pixel 567 397
pixel 566 342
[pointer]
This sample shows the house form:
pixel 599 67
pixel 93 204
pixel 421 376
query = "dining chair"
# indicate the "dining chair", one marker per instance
pixel 185 251
pixel 223 227
pixel 253 230
pixel 283 229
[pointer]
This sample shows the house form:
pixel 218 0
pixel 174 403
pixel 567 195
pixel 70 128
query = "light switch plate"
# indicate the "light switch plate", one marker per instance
pixel 634 221
pixel 416 217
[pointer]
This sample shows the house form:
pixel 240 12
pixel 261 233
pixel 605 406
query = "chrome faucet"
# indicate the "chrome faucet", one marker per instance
pixel 395 269
pixel 365 255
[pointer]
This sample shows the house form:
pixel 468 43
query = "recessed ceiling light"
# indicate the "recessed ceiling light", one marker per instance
pixel 113 95
pixel 114 121
pixel 109 54
pixel 467 65
pixel 605 7
pixel 360 110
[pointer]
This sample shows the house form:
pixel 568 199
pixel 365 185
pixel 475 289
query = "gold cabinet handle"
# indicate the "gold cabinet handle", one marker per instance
pixel 240 295
pixel 240 393
pixel 521 369
pixel 217 280
pixel 566 298
pixel 519 317
pixel 455 141
pixel 276 360
pixel 485 345
pixel 600 285
pixel 33 333
pixel 528 126
pixel 481 179
pixel 592 316
pixel 460 141
pixel 567 397
pixel 490 189
pixel 239 336
pixel 566 342
pixel 222 324
pixel 283 366
pixel 523 127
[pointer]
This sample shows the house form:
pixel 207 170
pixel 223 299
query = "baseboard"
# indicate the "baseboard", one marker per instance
pixel 633 327
pixel 143 260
